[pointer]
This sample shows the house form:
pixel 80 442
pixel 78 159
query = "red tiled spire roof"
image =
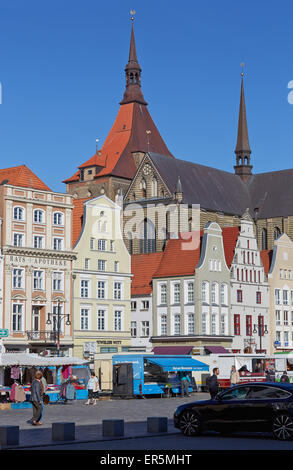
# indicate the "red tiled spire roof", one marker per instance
pixel 77 218
pixel 22 176
pixel 230 237
pixel 143 267
pixel 128 133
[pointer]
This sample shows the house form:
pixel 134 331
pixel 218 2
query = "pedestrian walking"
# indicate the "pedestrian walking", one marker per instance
pixel 44 386
pixel 212 383
pixel 184 383
pixel 234 376
pixel 284 377
pixel 36 399
pixel 93 389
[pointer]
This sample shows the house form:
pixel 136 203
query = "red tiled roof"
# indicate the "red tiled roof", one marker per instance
pixel 77 218
pixel 127 135
pixel 266 257
pixel 22 176
pixel 143 267
pixel 180 257
pixel 230 237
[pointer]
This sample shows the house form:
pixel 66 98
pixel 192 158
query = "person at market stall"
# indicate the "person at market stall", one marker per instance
pixel 184 383
pixel 285 377
pixel 234 376
pixel 93 389
pixel 36 399
pixel 44 389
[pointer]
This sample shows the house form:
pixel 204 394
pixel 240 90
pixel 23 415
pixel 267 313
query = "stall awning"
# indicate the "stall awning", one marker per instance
pixel 217 349
pixel 172 350
pixel 29 359
pixel 169 364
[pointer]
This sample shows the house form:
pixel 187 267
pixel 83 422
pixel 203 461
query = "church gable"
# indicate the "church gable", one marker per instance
pixel 147 183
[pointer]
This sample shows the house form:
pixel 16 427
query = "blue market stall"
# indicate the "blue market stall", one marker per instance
pixel 139 374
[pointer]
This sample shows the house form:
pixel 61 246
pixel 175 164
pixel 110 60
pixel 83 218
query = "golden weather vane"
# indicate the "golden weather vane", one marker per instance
pixel 132 12
pixel 242 65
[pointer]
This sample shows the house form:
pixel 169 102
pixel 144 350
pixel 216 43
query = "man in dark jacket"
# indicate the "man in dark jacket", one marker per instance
pixel 213 384
pixel 36 399
pixel 285 377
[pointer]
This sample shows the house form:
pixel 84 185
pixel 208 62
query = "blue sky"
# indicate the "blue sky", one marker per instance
pixel 62 76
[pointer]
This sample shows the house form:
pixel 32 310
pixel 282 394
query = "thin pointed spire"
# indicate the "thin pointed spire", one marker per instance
pixel 242 150
pixel 133 91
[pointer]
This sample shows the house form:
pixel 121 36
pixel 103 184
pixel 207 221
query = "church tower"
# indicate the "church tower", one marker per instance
pixel 132 135
pixel 243 167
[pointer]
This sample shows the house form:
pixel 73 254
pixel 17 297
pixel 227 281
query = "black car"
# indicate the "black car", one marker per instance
pixel 259 406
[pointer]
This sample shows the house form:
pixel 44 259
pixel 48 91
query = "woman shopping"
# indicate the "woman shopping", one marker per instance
pixel 93 389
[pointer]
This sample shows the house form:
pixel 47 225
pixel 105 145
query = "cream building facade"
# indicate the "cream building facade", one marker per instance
pixel 102 277
pixel 280 278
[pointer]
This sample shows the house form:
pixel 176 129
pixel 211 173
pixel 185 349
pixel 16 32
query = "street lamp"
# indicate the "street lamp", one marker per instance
pixel 260 329
pixel 59 317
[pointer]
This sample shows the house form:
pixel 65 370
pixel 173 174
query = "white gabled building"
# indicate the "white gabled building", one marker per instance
pixel 249 293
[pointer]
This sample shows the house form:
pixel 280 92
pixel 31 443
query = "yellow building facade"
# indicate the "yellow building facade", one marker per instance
pixel 101 285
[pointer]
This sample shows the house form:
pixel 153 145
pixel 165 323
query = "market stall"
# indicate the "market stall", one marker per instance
pixel 17 370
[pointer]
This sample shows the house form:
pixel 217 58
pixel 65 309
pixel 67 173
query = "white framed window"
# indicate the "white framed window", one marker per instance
pixel 163 293
pixel 18 239
pixel 38 241
pixel 58 218
pixel 277 296
pixel 145 304
pixel 204 329
pixel 101 265
pixel 286 318
pixel 18 213
pixel 278 336
pixel 176 293
pixel 116 266
pixel 87 263
pixel 190 292
pixel 224 296
pixel 102 245
pixel 57 243
pixel 215 293
pixel 223 324
pixel 190 324
pixel 145 328
pixel 111 245
pixel 133 305
pixel 101 289
pixel 285 297
pixel 17 317
pixel 163 324
pixel 101 320
pixel 214 324
pixel 18 278
pixel 205 292
pixel 133 329
pixel 278 317
pixel 84 319
pixel 177 324
pixel 92 243
pixel 84 288
pixel 57 281
pixel 117 320
pixel 38 280
pixel 39 216
pixel 286 338
pixel 117 290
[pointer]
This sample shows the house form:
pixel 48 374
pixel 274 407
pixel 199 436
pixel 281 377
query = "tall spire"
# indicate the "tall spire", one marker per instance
pixel 133 91
pixel 242 150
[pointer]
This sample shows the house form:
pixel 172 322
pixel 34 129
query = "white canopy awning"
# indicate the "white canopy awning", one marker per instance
pixel 25 359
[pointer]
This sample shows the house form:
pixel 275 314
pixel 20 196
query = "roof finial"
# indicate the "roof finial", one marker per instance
pixel 242 65
pixel 132 12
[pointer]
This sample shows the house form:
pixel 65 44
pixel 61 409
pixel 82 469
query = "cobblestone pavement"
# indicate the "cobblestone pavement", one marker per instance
pixel 88 419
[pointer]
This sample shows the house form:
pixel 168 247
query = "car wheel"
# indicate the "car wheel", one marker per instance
pixel 283 427
pixel 189 423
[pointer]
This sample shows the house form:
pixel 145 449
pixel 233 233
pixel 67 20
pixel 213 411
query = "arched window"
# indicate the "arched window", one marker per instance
pixel 39 216
pixel 264 239
pixel 18 213
pixel 143 187
pixel 154 187
pixel 277 233
pixel 147 242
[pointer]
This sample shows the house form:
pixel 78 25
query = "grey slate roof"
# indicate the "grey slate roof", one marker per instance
pixel 221 191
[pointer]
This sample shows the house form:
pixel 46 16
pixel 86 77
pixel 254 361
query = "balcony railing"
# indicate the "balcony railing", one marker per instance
pixel 46 336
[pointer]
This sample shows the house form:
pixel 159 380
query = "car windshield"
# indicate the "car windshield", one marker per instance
pixel 235 393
